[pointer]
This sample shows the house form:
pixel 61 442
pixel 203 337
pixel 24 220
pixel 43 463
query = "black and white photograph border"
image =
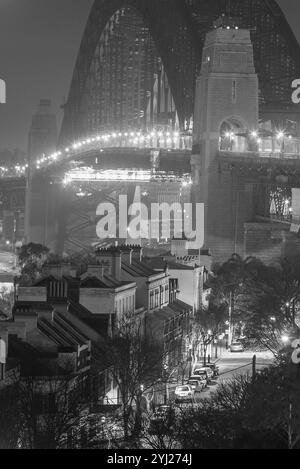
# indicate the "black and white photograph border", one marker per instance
pixel 149 227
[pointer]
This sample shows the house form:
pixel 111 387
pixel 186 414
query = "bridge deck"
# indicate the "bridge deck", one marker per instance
pixel 261 159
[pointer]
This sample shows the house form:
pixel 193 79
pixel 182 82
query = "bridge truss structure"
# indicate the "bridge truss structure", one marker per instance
pixel 139 59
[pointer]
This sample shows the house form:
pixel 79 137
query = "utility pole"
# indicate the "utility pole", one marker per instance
pixel 253 367
pixel 290 426
pixel 230 319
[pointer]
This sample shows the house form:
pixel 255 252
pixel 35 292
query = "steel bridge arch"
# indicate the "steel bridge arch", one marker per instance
pixel 178 28
pixel 156 15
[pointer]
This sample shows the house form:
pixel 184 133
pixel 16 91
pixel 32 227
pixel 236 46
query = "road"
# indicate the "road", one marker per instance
pixel 233 364
pixel 241 362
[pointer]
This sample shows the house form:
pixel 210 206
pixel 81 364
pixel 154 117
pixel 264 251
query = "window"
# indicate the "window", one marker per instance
pixel 166 293
pixel 152 299
pixel 156 298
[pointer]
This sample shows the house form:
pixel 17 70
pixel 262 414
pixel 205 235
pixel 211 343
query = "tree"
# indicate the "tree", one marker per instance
pixel 164 433
pixel 9 417
pixel 6 301
pixel 32 257
pixel 208 324
pixel 273 304
pixel 273 403
pixel 217 421
pixel 230 276
pixel 207 427
pixel 50 405
pixel 248 412
pixel 35 253
pixel 135 361
pixel 265 299
pixel 229 284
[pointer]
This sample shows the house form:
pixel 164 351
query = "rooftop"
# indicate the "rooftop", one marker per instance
pixel 161 263
pixel 51 278
pixel 99 322
pixel 105 282
pixel 139 269
pixel 171 311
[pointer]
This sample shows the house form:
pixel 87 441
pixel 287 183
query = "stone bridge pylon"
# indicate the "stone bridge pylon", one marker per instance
pixel 230 175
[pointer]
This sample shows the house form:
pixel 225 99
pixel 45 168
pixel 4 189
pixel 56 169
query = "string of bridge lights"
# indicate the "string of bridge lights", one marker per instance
pixel 256 134
pixel 88 174
pixel 164 140
pixel 134 139
pixel 13 171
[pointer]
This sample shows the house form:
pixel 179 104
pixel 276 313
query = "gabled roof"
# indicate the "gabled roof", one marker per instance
pixel 61 332
pixel 44 282
pixel 169 312
pixel 180 306
pixel 105 282
pixel 98 322
pixel 57 336
pixel 139 269
pixel 161 263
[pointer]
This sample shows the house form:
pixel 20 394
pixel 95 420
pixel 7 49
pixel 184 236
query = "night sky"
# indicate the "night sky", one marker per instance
pixel 39 41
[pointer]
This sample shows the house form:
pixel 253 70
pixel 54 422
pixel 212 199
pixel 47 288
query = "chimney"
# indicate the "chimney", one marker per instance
pixel 126 254
pixel 117 265
pixel 112 257
pixel 137 252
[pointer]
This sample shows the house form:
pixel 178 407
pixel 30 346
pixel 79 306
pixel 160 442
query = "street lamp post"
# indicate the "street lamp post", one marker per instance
pixel 230 311
pixel 230 319
pixel 190 359
pixel 166 392
pixel 216 348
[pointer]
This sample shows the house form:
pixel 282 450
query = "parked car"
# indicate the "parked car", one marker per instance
pixel 184 393
pixel 236 347
pixel 162 418
pixel 202 371
pixel 196 384
pixel 202 378
pixel 209 371
pixel 214 368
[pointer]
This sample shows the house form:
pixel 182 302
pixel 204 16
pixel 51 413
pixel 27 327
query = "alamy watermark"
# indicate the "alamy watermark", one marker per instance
pixel 159 221
pixel 296 92
pixel 2 92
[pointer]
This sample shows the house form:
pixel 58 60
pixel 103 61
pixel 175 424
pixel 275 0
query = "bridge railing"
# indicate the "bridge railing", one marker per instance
pixel 155 140
pixel 261 154
pixel 13 171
